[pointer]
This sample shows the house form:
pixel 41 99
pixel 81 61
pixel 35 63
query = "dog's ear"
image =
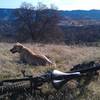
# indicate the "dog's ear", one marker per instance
pixel 18 43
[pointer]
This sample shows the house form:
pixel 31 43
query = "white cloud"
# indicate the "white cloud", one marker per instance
pixel 77 4
pixel 87 4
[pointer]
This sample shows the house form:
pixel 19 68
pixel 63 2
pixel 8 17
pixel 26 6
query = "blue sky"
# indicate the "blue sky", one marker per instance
pixel 61 4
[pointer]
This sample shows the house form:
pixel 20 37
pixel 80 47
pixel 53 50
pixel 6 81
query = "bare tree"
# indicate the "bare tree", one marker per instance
pixel 39 23
pixel 24 21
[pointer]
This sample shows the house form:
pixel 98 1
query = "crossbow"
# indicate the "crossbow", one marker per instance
pixel 56 77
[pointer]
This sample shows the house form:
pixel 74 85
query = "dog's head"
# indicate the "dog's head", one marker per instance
pixel 16 48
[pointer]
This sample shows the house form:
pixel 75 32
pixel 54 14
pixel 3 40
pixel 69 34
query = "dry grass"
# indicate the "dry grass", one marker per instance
pixel 64 56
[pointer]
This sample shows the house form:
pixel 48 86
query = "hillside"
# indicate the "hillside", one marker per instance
pixel 82 34
pixel 72 24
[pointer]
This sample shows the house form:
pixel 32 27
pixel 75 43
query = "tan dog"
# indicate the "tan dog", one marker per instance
pixel 29 57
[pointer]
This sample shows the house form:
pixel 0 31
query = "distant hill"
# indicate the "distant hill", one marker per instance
pixel 81 14
pixel 7 14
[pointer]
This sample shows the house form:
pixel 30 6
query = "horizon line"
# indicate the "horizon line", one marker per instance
pixel 58 9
